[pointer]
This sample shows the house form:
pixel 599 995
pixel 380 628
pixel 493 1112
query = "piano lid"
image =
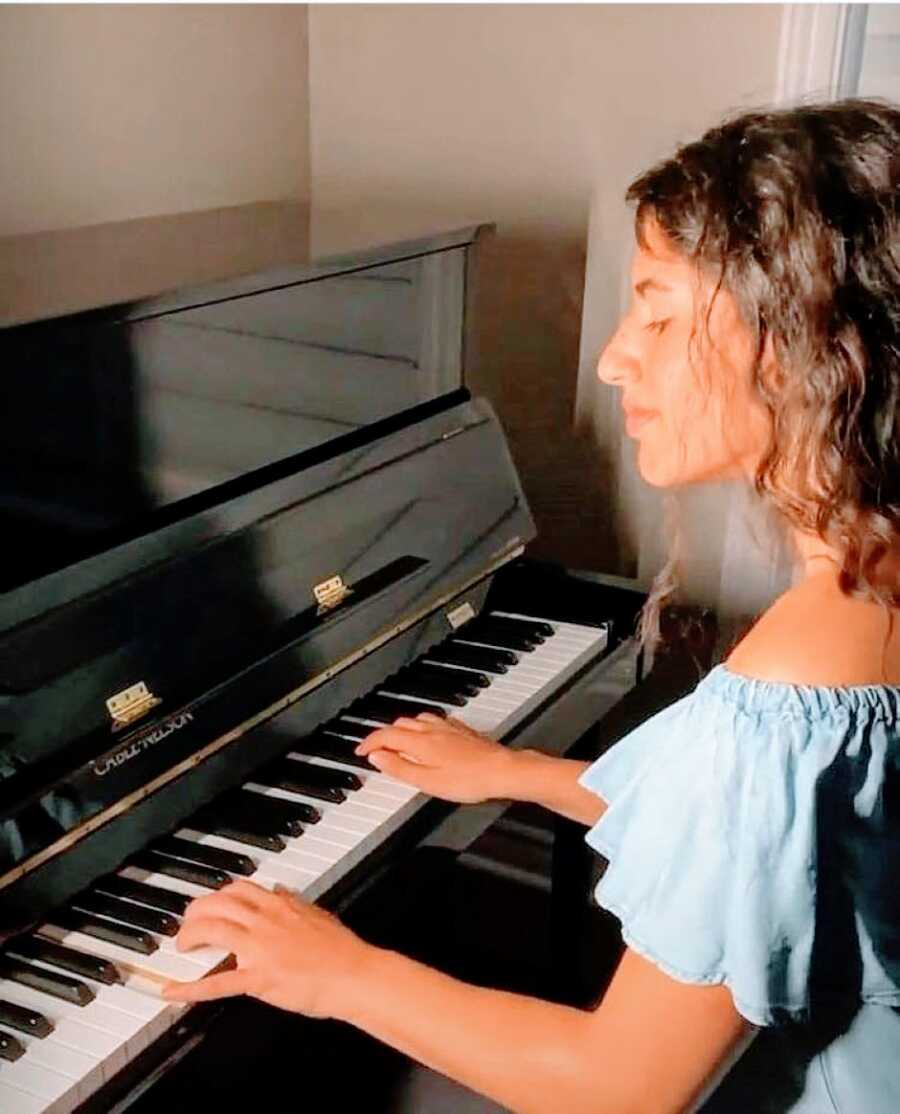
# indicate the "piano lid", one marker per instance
pixel 151 363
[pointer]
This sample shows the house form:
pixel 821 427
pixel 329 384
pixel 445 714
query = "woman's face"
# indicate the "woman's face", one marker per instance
pixel 689 403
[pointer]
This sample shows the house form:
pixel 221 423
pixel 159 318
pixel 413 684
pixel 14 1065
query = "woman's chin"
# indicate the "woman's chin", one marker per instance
pixel 655 471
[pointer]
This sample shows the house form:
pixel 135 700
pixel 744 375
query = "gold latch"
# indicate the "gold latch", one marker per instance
pixel 130 704
pixel 330 593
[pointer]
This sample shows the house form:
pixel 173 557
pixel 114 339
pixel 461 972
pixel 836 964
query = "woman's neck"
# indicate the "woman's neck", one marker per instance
pixel 817 558
pixel 814 555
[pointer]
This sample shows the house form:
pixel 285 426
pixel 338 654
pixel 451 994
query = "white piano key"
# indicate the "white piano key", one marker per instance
pixel 263 859
pixel 347 818
pixel 158 966
pixel 15 1101
pixel 117 996
pixel 164 881
pixel 142 1007
pixel 526 618
pixel 96 1014
pixel 86 1072
pixel 309 850
pixel 329 844
pixel 124 1019
pixel 102 1033
pixel 58 1093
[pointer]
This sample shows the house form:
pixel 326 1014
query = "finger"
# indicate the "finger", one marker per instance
pixel 395 765
pixel 410 723
pixel 210 932
pixel 225 905
pixel 213 986
pixel 282 891
pixel 452 721
pixel 250 893
pixel 417 744
pixel 430 717
pixel 382 737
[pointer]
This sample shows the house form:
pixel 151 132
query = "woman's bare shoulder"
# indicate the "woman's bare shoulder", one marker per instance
pixel 815 635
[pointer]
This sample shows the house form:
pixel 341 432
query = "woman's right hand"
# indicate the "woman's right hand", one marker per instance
pixel 442 757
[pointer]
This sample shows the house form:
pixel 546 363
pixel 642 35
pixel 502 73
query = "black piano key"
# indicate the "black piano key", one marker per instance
pixel 48 982
pixel 158 863
pixel 324 775
pixel 291 776
pixel 472 677
pixel 492 634
pixel 424 688
pixel 506 627
pixel 385 709
pixel 154 896
pixel 216 857
pixel 240 815
pixel 348 728
pixel 25 1020
pixel 289 815
pixel 134 939
pixel 57 955
pixel 10 1048
pixel 128 912
pixel 466 684
pixel 537 626
pixel 473 657
pixel 236 829
pixel 321 744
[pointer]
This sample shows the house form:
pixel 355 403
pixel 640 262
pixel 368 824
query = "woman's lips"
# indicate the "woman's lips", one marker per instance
pixel 635 420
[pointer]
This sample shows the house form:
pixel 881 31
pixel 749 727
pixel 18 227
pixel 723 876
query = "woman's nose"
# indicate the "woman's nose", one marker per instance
pixel 616 364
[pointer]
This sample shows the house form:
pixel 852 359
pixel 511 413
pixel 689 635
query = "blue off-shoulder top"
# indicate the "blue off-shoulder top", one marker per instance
pixel 753 837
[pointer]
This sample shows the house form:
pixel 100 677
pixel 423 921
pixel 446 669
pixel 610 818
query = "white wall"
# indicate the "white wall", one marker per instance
pixel 520 113
pixel 109 112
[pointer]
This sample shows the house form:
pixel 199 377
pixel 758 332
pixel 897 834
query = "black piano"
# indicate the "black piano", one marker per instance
pixel 250 512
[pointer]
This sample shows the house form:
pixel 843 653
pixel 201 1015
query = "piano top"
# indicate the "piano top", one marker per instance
pixel 149 364
pixel 50 274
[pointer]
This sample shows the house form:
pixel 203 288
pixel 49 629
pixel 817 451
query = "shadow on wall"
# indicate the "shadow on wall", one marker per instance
pixel 531 288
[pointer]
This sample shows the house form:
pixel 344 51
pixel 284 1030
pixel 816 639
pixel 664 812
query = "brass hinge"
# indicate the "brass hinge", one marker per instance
pixel 461 614
pixel 330 593
pixel 130 704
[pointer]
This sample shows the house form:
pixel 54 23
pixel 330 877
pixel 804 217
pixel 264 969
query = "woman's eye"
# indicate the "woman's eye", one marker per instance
pixel 656 326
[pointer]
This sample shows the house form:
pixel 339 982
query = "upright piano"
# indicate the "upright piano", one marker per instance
pixel 250 512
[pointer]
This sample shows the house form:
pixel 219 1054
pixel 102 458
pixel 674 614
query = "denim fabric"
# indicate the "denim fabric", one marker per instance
pixel 753 839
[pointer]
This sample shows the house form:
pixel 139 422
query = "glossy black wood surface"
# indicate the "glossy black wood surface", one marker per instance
pixel 183 464
pixel 120 410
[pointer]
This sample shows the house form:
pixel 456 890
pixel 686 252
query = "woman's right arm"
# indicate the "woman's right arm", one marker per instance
pixel 446 759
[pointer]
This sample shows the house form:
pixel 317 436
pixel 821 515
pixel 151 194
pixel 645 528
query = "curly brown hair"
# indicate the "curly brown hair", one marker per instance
pixel 795 213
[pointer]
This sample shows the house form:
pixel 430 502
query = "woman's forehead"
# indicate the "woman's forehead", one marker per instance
pixel 654 242
pixel 656 257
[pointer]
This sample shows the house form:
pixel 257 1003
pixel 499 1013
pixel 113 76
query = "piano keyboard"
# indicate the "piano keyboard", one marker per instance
pixel 79 1000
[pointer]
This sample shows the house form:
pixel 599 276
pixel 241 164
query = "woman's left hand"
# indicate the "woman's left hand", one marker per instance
pixel 289 953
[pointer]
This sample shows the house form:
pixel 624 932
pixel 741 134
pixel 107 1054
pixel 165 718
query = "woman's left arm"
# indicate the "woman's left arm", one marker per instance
pixel 653 1046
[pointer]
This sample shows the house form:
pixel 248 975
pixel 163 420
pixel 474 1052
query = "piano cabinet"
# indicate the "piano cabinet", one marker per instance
pixel 259 515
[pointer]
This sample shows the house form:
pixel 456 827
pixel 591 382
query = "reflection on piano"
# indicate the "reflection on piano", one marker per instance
pixel 254 520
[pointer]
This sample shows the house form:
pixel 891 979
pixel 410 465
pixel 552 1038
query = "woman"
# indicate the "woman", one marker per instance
pixel 753 828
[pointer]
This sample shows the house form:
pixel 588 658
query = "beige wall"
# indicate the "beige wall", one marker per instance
pixel 520 113
pixel 109 112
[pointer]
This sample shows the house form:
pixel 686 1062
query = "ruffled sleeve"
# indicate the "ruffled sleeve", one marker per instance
pixel 753 837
